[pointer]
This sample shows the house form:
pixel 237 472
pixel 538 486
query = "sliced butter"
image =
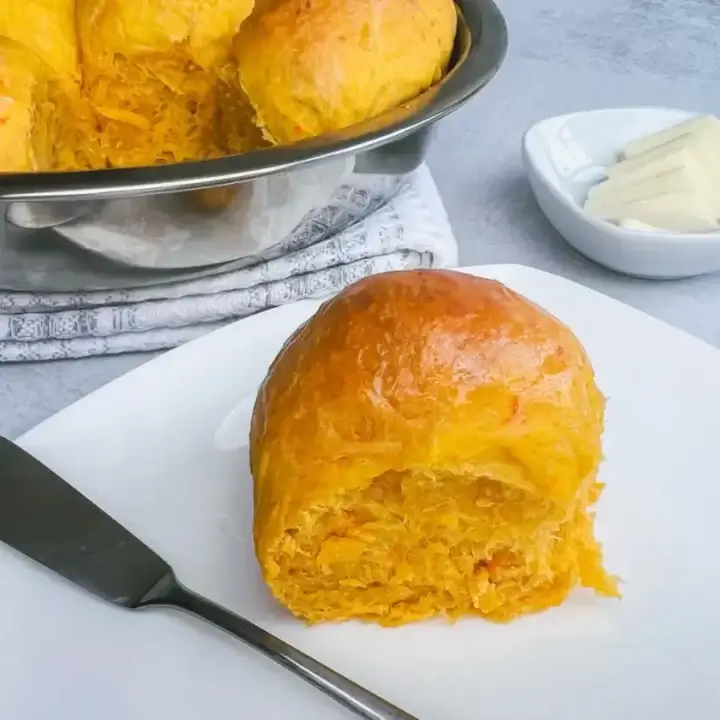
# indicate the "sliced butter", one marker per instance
pixel 648 165
pixel 701 124
pixel 705 147
pixel 678 211
pixel 632 224
pixel 691 176
pixel 668 181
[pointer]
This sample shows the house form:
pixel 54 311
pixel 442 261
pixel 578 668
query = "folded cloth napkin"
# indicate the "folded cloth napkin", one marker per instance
pixel 409 230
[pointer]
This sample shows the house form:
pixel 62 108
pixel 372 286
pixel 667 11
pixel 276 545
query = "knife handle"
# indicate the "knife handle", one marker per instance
pixel 362 702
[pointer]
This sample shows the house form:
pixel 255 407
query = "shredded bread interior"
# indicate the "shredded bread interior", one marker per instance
pixel 415 545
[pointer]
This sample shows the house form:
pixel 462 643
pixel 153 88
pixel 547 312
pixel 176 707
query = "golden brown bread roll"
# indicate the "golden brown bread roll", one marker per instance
pixel 311 66
pixel 151 70
pixel 126 83
pixel 427 444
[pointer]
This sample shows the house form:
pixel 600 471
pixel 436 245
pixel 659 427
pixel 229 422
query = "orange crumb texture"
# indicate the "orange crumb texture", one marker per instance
pixel 123 83
pixel 428 445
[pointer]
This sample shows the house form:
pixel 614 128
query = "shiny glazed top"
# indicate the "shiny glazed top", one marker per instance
pixel 432 371
pixel 314 66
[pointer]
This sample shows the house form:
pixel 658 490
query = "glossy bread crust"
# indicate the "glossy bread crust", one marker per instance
pixel 313 66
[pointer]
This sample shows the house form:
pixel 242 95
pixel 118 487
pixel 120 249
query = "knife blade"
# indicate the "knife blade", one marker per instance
pixel 48 521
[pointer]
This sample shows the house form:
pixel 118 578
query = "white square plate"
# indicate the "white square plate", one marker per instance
pixel 144 449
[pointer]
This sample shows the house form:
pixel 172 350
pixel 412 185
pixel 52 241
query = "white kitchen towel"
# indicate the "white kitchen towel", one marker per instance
pixel 409 230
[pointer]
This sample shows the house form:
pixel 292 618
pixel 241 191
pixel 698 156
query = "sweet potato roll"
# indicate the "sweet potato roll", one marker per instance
pixel 427 444
pixel 312 66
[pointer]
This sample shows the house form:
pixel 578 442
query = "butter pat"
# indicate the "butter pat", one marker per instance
pixel 666 158
pixel 680 211
pixel 632 224
pixel 668 181
pixel 688 177
pixel 695 127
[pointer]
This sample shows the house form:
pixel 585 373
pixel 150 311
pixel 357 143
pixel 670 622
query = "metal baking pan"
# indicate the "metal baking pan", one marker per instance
pixel 383 142
pixel 43 211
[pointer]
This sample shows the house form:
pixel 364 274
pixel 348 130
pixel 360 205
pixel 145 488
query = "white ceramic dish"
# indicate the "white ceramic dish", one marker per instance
pixel 563 156
pixel 144 448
